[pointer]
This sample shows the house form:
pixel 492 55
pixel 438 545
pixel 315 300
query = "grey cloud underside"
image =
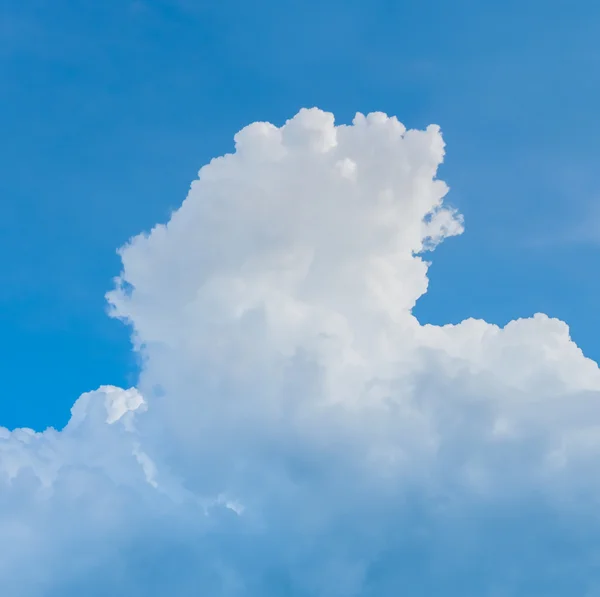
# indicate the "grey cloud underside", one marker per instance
pixel 295 430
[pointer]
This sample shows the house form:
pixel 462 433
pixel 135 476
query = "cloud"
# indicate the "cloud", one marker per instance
pixel 295 430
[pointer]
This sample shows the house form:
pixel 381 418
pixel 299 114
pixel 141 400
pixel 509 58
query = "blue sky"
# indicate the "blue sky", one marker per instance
pixel 109 109
pixel 293 431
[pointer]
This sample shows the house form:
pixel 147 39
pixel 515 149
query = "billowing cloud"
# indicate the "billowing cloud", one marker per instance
pixel 295 430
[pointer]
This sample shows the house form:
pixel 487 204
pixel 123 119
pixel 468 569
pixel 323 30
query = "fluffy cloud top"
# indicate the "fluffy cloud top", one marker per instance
pixel 295 430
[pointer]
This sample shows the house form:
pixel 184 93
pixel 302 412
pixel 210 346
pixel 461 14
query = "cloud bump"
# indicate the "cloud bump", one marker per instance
pixel 295 429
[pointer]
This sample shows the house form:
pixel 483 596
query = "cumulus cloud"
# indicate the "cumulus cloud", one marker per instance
pixel 295 430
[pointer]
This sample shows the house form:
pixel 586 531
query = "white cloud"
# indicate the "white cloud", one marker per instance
pixel 295 430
